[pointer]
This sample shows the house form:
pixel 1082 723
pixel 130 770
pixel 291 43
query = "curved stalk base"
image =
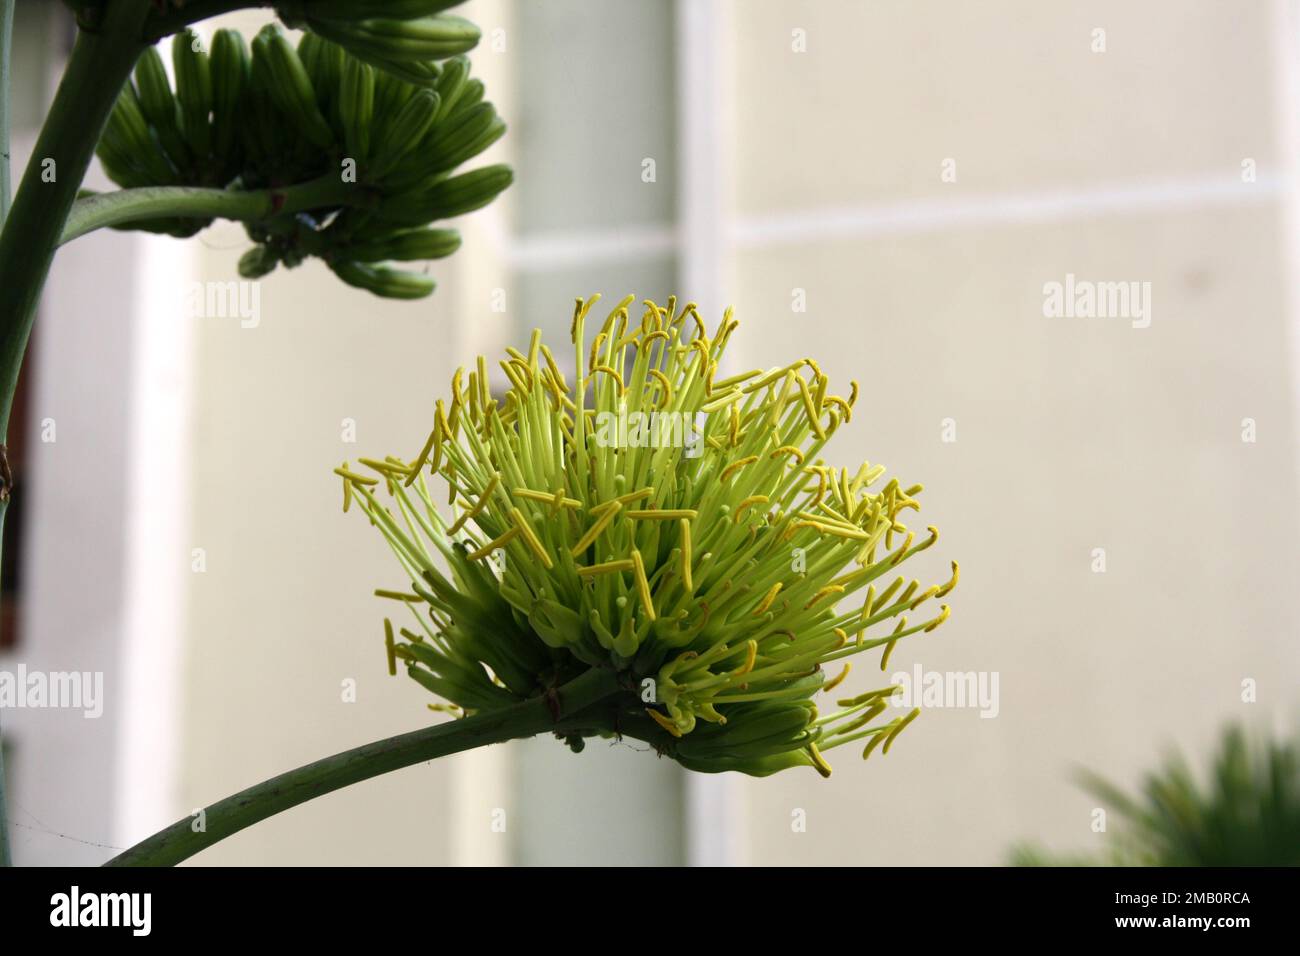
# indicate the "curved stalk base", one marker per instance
pixel 226 817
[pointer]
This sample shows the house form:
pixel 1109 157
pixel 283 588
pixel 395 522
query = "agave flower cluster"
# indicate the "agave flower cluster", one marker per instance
pixel 360 113
pixel 658 519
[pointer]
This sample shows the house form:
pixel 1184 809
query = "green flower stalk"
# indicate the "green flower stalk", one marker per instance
pixel 662 522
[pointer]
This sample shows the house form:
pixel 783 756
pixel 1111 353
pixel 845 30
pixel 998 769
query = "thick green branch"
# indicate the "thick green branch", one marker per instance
pixel 100 63
pixel 159 202
pixel 535 716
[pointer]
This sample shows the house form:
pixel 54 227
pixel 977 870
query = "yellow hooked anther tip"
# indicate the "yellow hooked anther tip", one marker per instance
pixel 751 655
pixel 952 583
pixel 819 761
pixel 944 611
pixel 663 722
pixel 838 678
pixel 898 729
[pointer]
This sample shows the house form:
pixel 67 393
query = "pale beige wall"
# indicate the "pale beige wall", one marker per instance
pixel 1072 434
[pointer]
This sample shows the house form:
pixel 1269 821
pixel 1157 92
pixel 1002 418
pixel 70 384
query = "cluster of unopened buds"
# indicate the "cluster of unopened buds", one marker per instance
pixel 363 125
pixel 701 553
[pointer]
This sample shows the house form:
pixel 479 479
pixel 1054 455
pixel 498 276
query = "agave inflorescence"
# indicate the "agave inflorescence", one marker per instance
pixel 373 122
pixel 658 520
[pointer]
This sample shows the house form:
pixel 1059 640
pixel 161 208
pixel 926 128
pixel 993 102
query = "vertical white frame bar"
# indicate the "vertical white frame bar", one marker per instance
pixel 713 825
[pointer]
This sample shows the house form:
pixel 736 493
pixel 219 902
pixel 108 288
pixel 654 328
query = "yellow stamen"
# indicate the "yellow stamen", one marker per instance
pixel 605 567
pixel 667 386
pixel 353 476
pixel 642 585
pixel 823 592
pixel 814 420
pixel 819 761
pixel 768 598
pixel 622 389
pixel 594 531
pixel 663 514
pixel 952 583
pixel 944 611
pixel 751 500
pixel 838 678
pixel 478 506
pixel 663 722
pixel 686 556
pixel 530 538
pixel 390 648
pixel 898 728
pixel 556 498
pixel 736 466
pixel 491 546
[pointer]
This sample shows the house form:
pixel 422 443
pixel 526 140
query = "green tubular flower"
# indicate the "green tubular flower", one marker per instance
pixel 381 145
pixel 654 518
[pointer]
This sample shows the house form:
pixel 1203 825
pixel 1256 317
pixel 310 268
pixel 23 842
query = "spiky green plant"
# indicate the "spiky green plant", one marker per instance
pixel 657 521
pixel 1248 814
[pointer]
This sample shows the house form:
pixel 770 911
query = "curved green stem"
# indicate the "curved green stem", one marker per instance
pixel 157 202
pixel 100 63
pixel 525 719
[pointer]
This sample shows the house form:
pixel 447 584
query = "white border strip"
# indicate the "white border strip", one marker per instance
pixel 156 551
pixel 713 828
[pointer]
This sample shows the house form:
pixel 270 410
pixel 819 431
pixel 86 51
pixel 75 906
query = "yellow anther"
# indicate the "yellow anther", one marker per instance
pixel 495 543
pixel 838 678
pixel 819 761
pixel 901 553
pixel 642 585
pixel 889 649
pixel 898 728
pixel 768 598
pixel 736 466
pixel 952 583
pixel 663 722
pixel 944 611
pixel 555 499
pixel 605 567
pixel 352 476
pixel 663 514
pixel 530 538
pixel 929 592
pixel 686 556
pixel 824 592
pixel 814 419
pixel 751 655
pixel 666 385
pixel 747 503
pixel 788 450
pixel 594 531
pixel 390 648
pixel 478 506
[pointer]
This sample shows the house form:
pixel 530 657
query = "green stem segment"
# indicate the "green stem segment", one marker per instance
pixel 158 202
pixel 100 63
pixel 525 719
